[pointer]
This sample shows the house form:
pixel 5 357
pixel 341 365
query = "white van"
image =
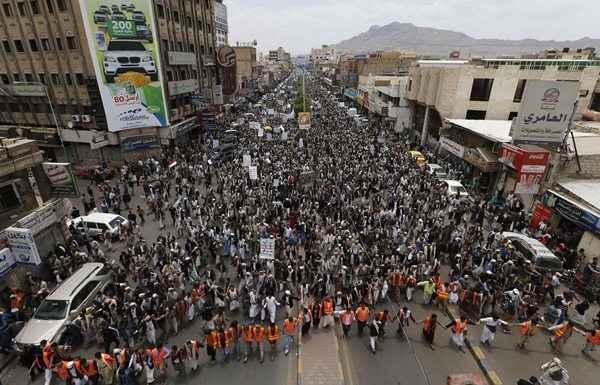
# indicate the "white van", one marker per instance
pixel 64 304
pixel 97 223
pixel 456 188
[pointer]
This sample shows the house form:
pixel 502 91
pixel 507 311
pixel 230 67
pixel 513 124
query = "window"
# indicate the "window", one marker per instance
pixel 83 294
pixel 165 44
pixel 42 77
pixel 68 79
pixel 16 77
pixel 80 79
pixel 29 78
pixel 62 5
pixel 9 199
pixel 5 79
pixel 7 8
pixel 6 46
pixel 59 44
pixel 519 90
pixel 170 76
pixel 25 107
pixel 33 44
pixel 50 6
pixel 19 46
pixel 14 107
pixel 475 114
pixel 481 90
pixel 71 43
pixel 56 79
pixel 161 11
pixel 35 7
pixel 595 103
pixel 176 16
pixel 45 44
pixel 512 115
pixel 23 11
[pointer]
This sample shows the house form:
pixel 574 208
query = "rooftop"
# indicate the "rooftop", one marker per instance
pixel 586 190
pixel 493 130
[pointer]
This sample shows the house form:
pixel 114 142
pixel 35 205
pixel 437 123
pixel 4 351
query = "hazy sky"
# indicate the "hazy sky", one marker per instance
pixel 299 25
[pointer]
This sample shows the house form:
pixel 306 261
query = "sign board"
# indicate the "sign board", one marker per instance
pixel 573 212
pixel 177 58
pixel 22 245
pixel 452 147
pixel 267 248
pixel 301 143
pixel 261 132
pixel 133 97
pixel 7 261
pixel 27 89
pixel 304 120
pixel 183 87
pixel 275 182
pixel 284 136
pixel 540 213
pixel 62 180
pixel 215 143
pixel 99 140
pixel 246 160
pixel 253 172
pixel 545 112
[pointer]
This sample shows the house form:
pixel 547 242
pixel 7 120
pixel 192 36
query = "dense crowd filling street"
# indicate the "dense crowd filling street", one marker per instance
pixel 341 227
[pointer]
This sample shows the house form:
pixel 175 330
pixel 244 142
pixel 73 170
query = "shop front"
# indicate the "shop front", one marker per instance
pixel 183 132
pixel 524 170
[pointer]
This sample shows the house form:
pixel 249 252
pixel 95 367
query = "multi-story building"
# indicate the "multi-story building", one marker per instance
pixel 384 97
pixel 246 69
pixel 279 55
pixel 376 63
pixel 487 88
pixel 44 44
pixel 221 25
pixel 325 54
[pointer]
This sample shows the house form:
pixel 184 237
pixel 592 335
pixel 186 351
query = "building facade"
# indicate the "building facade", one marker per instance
pixel 384 97
pixel 44 45
pixel 246 69
pixel 221 24
pixel 486 88
pixel 279 55
pixel 325 54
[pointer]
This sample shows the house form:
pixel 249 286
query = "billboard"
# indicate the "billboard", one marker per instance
pixel 22 244
pixel 124 50
pixel 545 112
pixel 62 180
pixel 304 120
pixel 227 62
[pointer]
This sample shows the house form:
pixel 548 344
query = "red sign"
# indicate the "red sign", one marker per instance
pixel 527 160
pixel 540 213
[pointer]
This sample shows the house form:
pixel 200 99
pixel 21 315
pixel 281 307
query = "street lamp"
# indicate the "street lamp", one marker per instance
pixel 62 143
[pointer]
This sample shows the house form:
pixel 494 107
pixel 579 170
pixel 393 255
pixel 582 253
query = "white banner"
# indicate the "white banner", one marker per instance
pixel 261 132
pixel 23 245
pixel 253 172
pixel 267 248
pixel 246 160
pixel 545 112
pixel 7 260
pixel 452 147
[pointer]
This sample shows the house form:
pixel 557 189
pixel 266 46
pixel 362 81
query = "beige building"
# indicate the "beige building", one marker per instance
pixel 247 69
pixel 43 43
pixel 280 55
pixel 487 88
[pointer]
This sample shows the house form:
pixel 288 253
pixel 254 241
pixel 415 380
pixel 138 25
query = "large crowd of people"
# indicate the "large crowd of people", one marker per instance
pixel 355 221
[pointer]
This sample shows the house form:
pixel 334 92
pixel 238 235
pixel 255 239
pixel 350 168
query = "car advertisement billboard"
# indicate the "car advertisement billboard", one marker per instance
pixel 124 51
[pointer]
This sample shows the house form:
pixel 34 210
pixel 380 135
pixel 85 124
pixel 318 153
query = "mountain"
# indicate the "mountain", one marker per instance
pixel 440 42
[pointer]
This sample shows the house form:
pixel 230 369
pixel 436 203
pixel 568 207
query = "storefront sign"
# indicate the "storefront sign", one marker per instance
pixel 181 58
pixel 452 147
pixel 540 213
pixel 253 172
pixel 140 142
pixel 474 157
pixel 267 248
pixel 29 89
pixel 350 93
pixel 518 157
pixel 574 213
pixel 62 180
pixel 7 261
pixel 22 244
pixel 40 219
pixel 183 87
pixel 545 112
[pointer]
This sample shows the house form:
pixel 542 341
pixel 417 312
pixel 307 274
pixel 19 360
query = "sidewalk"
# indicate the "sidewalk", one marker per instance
pixel 319 362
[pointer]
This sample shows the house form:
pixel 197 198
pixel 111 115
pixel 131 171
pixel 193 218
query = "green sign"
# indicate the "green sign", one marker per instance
pixel 122 29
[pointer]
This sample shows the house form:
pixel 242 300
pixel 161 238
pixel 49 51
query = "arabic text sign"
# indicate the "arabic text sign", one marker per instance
pixel 545 112
pixel 23 246
pixel 127 63
pixel 7 260
pixel 246 160
pixel 253 172
pixel 267 248
pixel 62 181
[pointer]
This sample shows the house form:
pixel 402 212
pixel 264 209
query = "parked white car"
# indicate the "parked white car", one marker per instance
pixel 436 171
pixel 456 188
pixel 95 224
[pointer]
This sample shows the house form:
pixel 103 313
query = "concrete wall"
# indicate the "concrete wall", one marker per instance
pixel 590 167
pixel 590 243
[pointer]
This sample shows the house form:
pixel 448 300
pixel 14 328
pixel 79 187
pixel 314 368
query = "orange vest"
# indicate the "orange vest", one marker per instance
pixel 459 327
pixel 108 360
pixel 427 323
pixel 594 339
pixel 525 327
pixel 247 334
pixel 327 307
pixel 561 331
pixel 382 317
pixel 259 333
pixel 441 293
pixel 90 371
pixel 362 314
pixel 396 279
pixel 289 327
pixel 228 337
pixel 213 340
pixel 61 370
pixel 48 356
pixel 273 334
pixel 346 317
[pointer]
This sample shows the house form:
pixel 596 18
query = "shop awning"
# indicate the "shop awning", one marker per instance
pixel 587 190
pixel 573 210
pixel 482 158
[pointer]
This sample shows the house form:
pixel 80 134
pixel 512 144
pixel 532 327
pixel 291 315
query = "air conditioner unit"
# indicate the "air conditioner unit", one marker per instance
pixel 86 118
pixel 75 118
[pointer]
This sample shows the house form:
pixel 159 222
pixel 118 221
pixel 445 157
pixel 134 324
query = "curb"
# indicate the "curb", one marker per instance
pixel 299 368
pixel 479 356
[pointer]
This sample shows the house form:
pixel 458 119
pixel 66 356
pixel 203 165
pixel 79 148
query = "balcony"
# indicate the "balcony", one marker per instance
pixel 208 60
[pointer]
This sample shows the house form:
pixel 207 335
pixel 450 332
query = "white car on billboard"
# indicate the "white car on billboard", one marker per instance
pixel 128 55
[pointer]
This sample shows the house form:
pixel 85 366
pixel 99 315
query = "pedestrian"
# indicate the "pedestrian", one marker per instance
pixel 213 343
pixel 592 339
pixel 259 337
pixel 527 330
pixel 561 334
pixel 403 317
pixel 327 309
pixel 429 325
pixel 273 334
pixel 374 332
pixel 290 328
pixel 490 324
pixel 192 348
pixel 178 360
pixel 248 338
pixel 140 214
pixel 106 367
pixel 347 318
pixel 362 316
